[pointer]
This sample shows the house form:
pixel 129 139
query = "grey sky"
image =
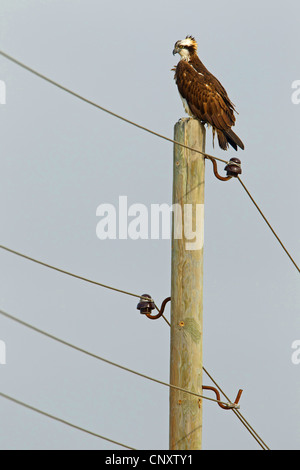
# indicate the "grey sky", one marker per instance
pixel 61 158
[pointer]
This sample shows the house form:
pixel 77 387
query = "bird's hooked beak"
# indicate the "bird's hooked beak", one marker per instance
pixel 175 50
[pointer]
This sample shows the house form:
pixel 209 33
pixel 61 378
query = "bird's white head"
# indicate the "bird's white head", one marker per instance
pixel 186 47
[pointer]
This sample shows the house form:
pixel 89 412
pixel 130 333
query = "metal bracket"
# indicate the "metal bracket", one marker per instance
pixel 228 406
pixel 146 307
pixel 233 169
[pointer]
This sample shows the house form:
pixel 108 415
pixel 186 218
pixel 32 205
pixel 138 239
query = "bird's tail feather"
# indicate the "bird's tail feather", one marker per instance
pixel 232 137
pixel 227 138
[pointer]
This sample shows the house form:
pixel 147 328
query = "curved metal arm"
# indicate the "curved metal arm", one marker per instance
pixel 233 168
pixel 161 311
pixel 228 406
pixel 217 175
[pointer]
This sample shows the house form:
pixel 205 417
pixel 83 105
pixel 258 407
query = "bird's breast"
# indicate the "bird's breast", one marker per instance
pixel 186 106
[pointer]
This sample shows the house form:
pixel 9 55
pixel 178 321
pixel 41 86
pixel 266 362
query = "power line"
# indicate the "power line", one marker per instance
pixel 9 250
pixel 268 223
pixel 95 356
pixel 240 416
pixel 63 421
pixel 154 133
pixel 243 420
pixel 68 273
pixel 92 103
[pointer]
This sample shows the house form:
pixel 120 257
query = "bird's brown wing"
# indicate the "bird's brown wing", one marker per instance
pixel 204 101
pixel 200 67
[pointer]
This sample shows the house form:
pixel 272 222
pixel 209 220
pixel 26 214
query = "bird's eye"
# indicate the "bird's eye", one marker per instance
pixel 181 46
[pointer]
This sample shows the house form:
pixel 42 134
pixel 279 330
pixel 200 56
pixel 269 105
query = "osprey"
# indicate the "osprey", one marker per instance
pixel 203 96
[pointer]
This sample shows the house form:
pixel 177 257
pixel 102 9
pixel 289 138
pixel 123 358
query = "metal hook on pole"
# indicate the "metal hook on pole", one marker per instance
pixel 233 169
pixel 228 406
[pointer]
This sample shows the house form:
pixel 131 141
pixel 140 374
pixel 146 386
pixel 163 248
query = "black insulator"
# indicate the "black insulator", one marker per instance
pixel 233 167
pixel 145 306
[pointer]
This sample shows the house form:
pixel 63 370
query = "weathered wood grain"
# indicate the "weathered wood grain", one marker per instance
pixel 187 292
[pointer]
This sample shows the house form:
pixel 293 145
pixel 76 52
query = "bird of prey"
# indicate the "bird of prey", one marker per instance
pixel 203 96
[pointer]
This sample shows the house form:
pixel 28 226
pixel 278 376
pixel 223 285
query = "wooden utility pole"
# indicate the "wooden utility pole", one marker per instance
pixel 187 287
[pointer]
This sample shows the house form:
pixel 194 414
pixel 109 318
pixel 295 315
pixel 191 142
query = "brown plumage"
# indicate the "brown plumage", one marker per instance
pixel 203 95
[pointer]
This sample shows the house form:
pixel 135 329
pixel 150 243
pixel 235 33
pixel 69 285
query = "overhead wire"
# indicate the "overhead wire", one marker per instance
pixel 268 223
pixel 63 421
pixel 12 59
pixel 95 356
pixel 68 273
pixel 243 420
pixel 92 103
pixel 236 411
